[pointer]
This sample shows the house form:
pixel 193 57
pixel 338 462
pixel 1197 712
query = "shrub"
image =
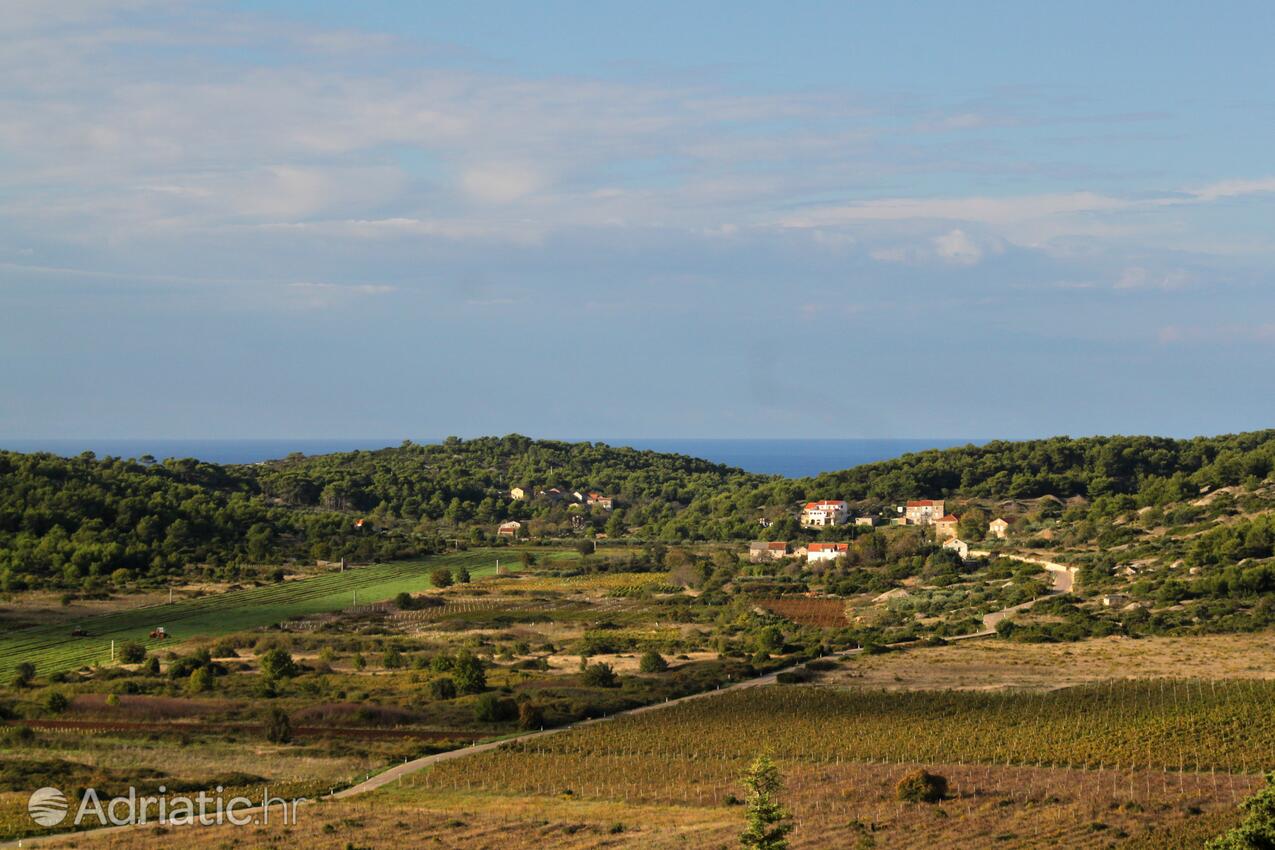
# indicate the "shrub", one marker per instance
pixel 278 727
pixel 652 662
pixel 201 680
pixel 442 688
pixel 404 601
pixel 132 653
pixel 921 786
pixel 490 708
pixel 530 716
pixel 469 674
pixel 23 674
pixel 56 702
pixel 599 676
pixel 441 578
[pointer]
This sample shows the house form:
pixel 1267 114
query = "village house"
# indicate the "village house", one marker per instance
pixel 767 550
pixel 944 527
pixel 869 521
pixel 597 500
pixel 553 494
pixel 959 546
pixel 519 494
pixel 826 551
pixel 1115 600
pixel 998 528
pixel 509 529
pixel 826 512
pixel 923 511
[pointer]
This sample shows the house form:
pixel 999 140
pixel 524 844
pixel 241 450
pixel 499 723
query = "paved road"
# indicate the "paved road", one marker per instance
pixel 1063 580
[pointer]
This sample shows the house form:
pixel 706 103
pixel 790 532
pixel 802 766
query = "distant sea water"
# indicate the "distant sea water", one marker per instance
pixel 792 458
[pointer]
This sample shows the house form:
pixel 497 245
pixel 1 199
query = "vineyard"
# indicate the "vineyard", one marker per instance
pixel 1086 754
pixel 809 611
pixel 52 648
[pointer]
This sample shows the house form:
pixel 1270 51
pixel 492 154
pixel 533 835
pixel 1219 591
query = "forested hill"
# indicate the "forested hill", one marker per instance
pixel 77 522
pixel 460 480
pixel 1060 466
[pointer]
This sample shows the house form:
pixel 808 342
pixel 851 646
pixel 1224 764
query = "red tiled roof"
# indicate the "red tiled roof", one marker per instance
pixel 828 547
pixel 774 544
pixel 948 518
pixel 814 506
pixel 926 503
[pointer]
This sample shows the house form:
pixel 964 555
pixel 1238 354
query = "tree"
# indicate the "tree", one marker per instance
pixel 132 653
pixel 392 659
pixel 468 672
pixel 599 676
pixel 278 664
pixel 1257 830
pixel 56 702
pixel 23 674
pixel 491 708
pixel 441 578
pixel 404 601
pixel 278 727
pixel 768 821
pixel 530 716
pixel 652 662
pixel 461 575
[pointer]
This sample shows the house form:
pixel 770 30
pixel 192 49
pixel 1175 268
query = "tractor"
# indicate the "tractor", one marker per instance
pixel 159 633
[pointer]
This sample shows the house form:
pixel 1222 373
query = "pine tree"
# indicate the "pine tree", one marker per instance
pixel 768 821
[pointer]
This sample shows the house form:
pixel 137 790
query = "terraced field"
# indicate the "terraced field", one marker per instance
pixel 51 648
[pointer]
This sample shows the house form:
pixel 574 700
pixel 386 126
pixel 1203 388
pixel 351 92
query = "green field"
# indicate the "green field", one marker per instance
pixel 52 649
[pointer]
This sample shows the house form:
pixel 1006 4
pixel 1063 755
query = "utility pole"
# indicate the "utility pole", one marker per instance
pixel 170 594
pixel 497 566
pixel 112 649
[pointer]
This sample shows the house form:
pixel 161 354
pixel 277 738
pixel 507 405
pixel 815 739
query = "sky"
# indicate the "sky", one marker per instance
pixel 277 219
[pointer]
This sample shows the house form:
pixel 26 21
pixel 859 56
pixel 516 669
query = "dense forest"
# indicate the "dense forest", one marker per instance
pixel 76 523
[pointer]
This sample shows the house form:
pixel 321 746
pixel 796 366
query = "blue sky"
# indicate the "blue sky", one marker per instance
pixel 323 219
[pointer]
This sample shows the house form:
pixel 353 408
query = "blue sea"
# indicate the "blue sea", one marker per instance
pixel 792 458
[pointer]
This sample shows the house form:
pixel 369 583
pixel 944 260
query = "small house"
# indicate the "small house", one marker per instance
pixel 923 511
pixel 767 550
pixel 869 521
pixel 597 500
pixel 1115 600
pixel 519 494
pixel 959 546
pixel 509 529
pixel 826 551
pixel 945 527
pixel 998 528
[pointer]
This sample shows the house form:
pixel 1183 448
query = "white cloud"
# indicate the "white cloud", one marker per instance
pixel 501 183
pixel 1138 277
pixel 958 248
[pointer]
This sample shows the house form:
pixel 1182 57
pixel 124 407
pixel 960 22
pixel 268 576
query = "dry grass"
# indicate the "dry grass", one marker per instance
pixel 991 664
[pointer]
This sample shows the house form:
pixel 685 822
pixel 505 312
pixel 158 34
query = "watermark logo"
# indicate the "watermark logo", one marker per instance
pixel 47 807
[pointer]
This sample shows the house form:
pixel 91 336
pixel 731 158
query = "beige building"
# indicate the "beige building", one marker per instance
pixel 998 528
pixel 767 550
pixel 597 500
pixel 944 527
pixel 868 520
pixel 923 511
pixel 520 493
pixel 509 529
pixel 960 547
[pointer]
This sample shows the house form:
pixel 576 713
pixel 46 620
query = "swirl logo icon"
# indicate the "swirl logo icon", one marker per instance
pixel 47 807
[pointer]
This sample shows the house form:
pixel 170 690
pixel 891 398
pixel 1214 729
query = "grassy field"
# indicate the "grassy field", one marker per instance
pixel 51 648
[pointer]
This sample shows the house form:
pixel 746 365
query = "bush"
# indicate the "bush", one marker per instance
pixel 23 674
pixel 468 671
pixel 404 601
pixel 652 662
pixel 599 676
pixel 921 786
pixel 279 727
pixel 56 702
pixel 490 708
pixel 441 578
pixel 530 716
pixel 794 677
pixel 442 688
pixel 132 653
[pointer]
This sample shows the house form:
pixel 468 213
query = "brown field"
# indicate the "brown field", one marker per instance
pixel 990 664
pixel 823 613
pixel 842 806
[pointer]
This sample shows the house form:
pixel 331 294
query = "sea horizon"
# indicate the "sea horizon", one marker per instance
pixel 789 457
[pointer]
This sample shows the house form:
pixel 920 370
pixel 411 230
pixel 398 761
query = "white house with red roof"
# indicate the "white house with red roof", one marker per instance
pixel 923 511
pixel 825 512
pixel 826 551
pixel 597 500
